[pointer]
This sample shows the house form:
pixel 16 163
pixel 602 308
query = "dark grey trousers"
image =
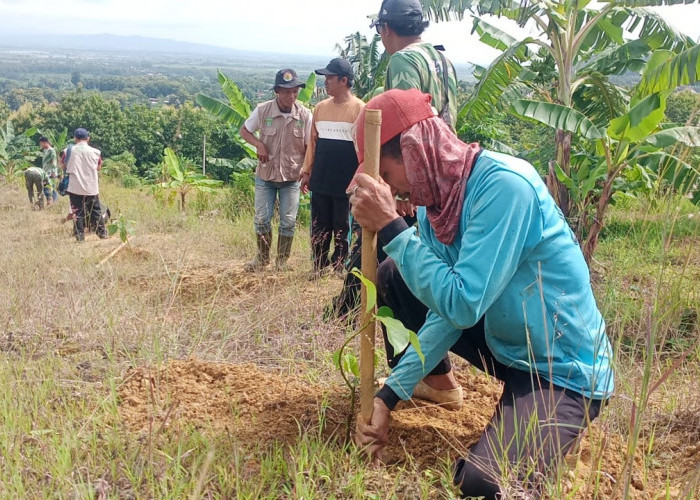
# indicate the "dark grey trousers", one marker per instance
pixel 535 423
pixel 329 220
pixel 87 210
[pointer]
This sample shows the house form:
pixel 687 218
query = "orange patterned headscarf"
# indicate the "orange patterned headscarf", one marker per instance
pixel 438 165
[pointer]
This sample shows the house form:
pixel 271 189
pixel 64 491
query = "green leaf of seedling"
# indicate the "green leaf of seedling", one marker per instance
pixel 336 358
pixel 385 312
pixel 397 333
pixel 399 336
pixel 348 362
pixel 351 364
pixel 369 286
pixel 112 229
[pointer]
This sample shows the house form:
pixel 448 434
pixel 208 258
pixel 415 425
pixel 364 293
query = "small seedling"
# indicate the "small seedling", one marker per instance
pixel 124 227
pixel 399 337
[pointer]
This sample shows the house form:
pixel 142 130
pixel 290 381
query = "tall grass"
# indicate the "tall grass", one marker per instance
pixel 652 299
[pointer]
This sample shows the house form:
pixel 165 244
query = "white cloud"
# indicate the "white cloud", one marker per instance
pixel 300 26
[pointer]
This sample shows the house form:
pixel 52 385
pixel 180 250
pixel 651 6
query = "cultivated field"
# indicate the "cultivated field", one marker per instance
pixel 166 371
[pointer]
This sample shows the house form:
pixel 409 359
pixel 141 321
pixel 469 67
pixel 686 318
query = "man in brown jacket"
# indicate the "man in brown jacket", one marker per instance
pixel 285 130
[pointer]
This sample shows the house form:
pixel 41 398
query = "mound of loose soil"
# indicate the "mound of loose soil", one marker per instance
pixel 255 408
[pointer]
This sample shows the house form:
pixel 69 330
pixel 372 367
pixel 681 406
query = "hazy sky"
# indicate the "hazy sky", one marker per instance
pixel 285 26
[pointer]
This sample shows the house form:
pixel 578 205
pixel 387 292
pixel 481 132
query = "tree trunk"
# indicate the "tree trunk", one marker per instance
pixel 591 242
pixel 559 191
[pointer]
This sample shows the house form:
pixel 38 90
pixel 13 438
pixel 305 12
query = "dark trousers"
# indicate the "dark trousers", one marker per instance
pixel 50 190
pixel 329 220
pixel 349 297
pixel 535 423
pixel 87 209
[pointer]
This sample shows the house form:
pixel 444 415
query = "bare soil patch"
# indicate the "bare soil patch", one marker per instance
pixel 256 408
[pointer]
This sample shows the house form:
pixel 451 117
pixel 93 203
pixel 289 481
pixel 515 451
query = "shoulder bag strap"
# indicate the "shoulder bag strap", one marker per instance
pixel 67 157
pixel 445 82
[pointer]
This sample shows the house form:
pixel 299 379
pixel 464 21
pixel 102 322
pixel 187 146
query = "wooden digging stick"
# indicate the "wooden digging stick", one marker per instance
pixel 373 124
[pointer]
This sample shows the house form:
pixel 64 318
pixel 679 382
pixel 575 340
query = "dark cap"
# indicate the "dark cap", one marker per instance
pixel 287 79
pixel 81 133
pixel 399 11
pixel 337 66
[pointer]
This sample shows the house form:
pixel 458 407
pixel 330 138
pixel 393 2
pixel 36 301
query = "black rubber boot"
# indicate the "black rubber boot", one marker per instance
pixel 284 249
pixel 262 259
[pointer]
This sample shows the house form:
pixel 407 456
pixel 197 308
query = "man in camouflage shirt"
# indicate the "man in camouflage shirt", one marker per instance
pixel 49 162
pixel 415 64
pixel 34 178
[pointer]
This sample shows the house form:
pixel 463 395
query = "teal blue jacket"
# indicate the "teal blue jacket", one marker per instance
pixel 516 262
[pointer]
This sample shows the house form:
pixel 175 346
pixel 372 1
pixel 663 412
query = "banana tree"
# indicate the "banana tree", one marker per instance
pixel 17 151
pixel 183 178
pixel 587 45
pixel 57 140
pixel 636 141
pixel 368 63
pixel 233 113
pixel 638 137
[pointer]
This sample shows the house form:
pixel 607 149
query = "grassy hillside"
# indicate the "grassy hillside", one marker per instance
pixel 166 371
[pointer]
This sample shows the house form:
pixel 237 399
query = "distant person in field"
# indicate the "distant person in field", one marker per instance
pixel 34 179
pixel 82 164
pixel 285 131
pixel 329 165
pixel 498 278
pixel 49 162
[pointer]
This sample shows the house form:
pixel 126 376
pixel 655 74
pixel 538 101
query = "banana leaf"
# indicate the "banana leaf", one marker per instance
pixel 557 116
pixel 686 135
pixel 640 121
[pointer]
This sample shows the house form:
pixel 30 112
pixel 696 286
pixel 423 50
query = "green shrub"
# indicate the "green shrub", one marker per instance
pixel 304 215
pixel 131 181
pixel 119 166
pixel 239 199
pixel 202 203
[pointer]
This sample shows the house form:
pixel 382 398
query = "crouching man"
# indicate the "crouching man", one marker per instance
pixel 498 278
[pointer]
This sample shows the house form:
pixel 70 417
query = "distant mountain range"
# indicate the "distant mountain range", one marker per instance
pixel 140 45
pixel 111 43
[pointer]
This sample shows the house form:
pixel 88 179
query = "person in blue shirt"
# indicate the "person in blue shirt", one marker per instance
pixel 497 278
